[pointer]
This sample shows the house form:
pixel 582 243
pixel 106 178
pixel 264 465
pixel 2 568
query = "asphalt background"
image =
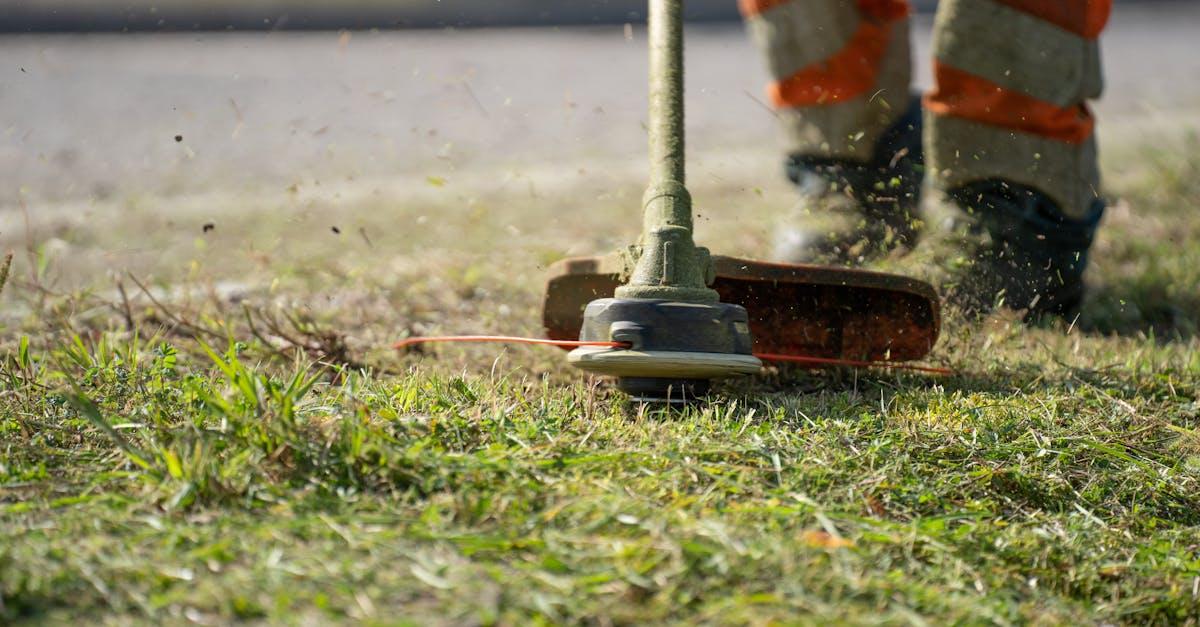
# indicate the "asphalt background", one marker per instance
pixel 91 117
pixel 156 15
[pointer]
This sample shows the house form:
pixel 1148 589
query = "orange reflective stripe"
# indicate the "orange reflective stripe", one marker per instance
pixel 754 7
pixel 963 95
pixel 887 10
pixel 848 74
pixel 1082 17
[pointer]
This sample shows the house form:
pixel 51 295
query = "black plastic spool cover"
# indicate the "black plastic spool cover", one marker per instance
pixel 663 325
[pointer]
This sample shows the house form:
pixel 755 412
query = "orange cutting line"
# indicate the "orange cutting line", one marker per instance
pixel 797 359
pixel 413 341
pixel 827 361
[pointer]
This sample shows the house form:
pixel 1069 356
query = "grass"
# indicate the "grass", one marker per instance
pixel 222 434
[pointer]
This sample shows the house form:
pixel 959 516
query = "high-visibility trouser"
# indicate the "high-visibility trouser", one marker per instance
pixel 1012 81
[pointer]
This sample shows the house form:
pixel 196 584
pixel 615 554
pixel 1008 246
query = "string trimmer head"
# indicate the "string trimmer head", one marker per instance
pixel 797 310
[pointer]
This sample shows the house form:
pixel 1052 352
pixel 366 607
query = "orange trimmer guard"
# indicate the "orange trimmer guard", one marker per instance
pixel 798 310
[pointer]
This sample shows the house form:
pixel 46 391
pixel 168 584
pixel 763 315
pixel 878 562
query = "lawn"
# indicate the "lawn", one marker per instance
pixel 219 431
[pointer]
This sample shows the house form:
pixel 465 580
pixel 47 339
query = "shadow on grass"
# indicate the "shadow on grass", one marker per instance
pixel 1088 414
pixel 875 384
pixel 880 386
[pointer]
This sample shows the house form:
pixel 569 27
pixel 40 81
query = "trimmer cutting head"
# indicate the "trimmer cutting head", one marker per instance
pixel 798 310
pixel 675 348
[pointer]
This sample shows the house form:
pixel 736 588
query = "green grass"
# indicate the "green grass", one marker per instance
pixel 235 441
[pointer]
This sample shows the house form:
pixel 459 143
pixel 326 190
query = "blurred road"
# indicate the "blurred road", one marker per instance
pixel 191 15
pixel 100 116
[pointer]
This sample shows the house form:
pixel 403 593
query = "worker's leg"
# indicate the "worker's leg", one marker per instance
pixel 1010 137
pixel 840 73
pixel 840 70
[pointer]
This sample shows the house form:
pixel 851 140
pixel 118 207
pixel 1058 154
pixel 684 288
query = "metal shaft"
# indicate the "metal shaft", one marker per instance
pixel 666 92
pixel 668 265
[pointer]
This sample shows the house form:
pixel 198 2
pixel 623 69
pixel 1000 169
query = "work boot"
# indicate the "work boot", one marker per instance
pixel 994 243
pixel 850 212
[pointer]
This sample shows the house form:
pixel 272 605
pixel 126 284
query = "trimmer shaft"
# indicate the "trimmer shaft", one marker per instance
pixel 681 336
